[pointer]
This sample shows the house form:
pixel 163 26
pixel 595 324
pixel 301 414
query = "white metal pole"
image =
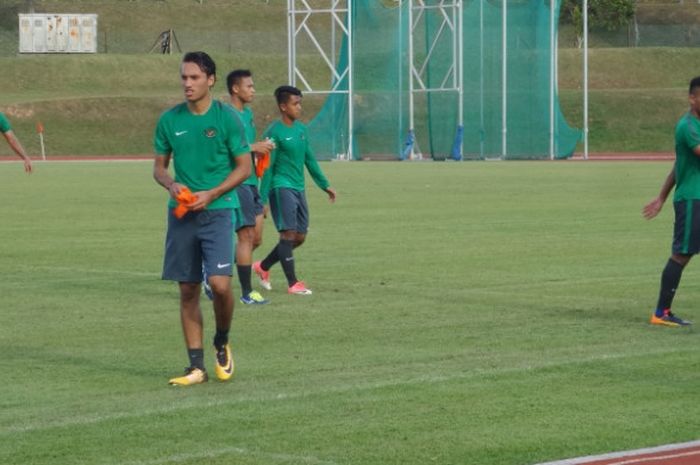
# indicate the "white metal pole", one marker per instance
pixel 585 79
pixel 504 77
pixel 351 88
pixel 400 74
pixel 291 41
pixel 482 130
pixel 460 83
pixel 43 148
pixel 556 73
pixel 411 121
pixel 552 52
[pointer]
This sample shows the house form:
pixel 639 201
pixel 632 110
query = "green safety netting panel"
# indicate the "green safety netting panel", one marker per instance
pixel 381 88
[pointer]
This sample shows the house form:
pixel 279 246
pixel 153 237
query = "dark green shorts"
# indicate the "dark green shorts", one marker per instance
pixel 686 229
pixel 251 205
pixel 289 210
pixel 199 238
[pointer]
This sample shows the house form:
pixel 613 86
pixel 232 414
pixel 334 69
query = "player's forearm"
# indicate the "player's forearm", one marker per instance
pixel 161 174
pixel 16 146
pixel 668 185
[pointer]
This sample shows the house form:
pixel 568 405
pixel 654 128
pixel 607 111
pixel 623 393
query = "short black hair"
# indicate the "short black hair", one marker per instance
pixel 203 60
pixel 235 76
pixel 282 93
pixel 694 84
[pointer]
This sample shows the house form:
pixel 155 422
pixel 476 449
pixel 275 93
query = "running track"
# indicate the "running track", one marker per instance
pixel 687 453
pixel 640 156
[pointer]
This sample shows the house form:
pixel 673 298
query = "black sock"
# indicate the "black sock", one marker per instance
pixel 272 258
pixel 221 338
pixel 196 358
pixel 285 249
pixel 670 278
pixel 244 278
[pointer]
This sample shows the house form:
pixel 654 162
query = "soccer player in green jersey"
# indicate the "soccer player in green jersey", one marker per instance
pixel 283 185
pixel 15 145
pixel 211 156
pixel 249 223
pixel 685 175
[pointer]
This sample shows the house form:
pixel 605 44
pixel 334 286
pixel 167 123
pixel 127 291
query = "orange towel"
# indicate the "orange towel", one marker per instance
pixel 262 163
pixel 184 200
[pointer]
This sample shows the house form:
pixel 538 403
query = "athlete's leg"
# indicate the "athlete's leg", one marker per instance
pixel 218 252
pixel 244 258
pixel 191 319
pixel 685 244
pixel 258 231
pixel 223 304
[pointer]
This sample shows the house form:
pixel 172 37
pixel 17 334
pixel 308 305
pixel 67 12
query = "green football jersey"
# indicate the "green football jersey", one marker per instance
pixel 4 124
pixel 203 148
pixel 292 153
pixel 248 121
pixel 687 163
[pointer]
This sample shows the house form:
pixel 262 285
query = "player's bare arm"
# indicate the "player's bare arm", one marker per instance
pixel 18 149
pixel 162 176
pixel 263 146
pixel 654 207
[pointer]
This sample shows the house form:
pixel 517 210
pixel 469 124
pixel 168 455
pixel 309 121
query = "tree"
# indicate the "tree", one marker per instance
pixel 604 14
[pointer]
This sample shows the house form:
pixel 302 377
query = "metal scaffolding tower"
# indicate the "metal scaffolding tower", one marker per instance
pixel 450 28
pixel 301 17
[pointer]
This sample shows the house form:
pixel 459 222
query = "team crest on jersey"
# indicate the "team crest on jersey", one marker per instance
pixel 210 132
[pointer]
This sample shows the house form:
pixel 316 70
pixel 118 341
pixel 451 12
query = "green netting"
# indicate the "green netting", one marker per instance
pixel 381 88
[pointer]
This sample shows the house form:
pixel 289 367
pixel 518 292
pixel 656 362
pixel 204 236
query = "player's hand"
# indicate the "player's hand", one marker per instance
pixel 175 189
pixel 264 146
pixel 653 208
pixel 266 210
pixel 332 194
pixel 204 198
pixel 27 166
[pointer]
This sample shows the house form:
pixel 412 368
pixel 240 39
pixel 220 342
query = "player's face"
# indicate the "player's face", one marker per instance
pixel 245 89
pixel 694 100
pixel 292 108
pixel 195 82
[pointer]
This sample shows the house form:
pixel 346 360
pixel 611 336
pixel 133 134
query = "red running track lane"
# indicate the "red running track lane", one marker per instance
pixel 687 453
pixel 603 156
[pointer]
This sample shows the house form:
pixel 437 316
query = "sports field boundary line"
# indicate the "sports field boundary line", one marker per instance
pixel 92 419
pixel 215 453
pixel 623 454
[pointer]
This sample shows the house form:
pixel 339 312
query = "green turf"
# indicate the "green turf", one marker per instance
pixel 474 313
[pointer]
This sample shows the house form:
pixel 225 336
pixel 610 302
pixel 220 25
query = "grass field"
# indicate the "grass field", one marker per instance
pixel 473 313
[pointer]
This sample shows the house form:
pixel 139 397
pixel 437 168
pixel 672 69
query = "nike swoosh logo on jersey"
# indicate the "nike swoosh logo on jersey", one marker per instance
pixel 288 138
pixel 179 133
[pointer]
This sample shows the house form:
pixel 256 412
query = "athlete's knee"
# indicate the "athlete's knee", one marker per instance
pixel 681 259
pixel 299 239
pixel 220 285
pixel 246 235
pixel 288 236
pixel 189 292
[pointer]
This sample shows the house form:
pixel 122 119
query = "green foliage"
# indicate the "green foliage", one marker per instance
pixel 449 324
pixel 602 14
